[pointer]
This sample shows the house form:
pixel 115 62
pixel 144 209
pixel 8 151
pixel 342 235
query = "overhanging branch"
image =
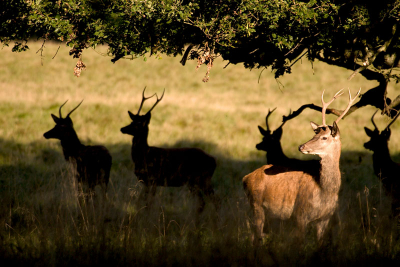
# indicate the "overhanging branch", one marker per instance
pixel 370 60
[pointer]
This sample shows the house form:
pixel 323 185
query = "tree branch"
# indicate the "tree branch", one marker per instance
pixel 310 106
pixel 370 60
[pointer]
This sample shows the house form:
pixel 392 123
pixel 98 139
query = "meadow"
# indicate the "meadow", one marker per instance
pixel 45 222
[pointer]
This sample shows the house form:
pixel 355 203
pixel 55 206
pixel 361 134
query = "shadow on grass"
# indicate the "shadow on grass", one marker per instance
pixel 30 166
pixel 45 223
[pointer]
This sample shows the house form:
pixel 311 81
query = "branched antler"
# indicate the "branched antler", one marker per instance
pixel 158 100
pixel 296 113
pixel 326 104
pixel 59 111
pixel 266 118
pixel 144 99
pixel 321 109
pixel 351 100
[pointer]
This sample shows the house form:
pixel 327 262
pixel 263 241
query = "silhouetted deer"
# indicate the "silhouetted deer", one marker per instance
pixel 385 168
pixel 168 167
pixel 306 196
pixel 271 143
pixel 91 163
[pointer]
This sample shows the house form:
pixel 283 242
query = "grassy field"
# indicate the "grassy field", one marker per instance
pixel 45 222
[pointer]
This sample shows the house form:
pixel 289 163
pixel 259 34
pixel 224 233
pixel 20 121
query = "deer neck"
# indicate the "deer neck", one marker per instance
pixel 71 145
pixel 330 177
pixel 382 153
pixel 276 155
pixel 381 158
pixel 139 144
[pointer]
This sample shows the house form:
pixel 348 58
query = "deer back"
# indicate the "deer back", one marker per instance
pixel 174 166
pixel 161 166
pixel 92 163
pixel 306 195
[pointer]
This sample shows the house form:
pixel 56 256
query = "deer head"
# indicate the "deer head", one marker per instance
pixel 140 123
pixel 269 139
pixel 64 126
pixel 378 139
pixel 327 138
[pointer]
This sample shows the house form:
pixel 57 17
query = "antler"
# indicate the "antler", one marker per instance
pixel 143 99
pixel 325 105
pixel 372 120
pixel 291 115
pixel 348 105
pixel 158 100
pixel 387 127
pixel 59 111
pixel 73 109
pixel 266 118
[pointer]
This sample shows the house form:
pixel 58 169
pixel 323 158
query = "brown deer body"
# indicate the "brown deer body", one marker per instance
pixel 92 164
pixel 271 143
pixel 304 195
pixel 177 167
pixel 385 168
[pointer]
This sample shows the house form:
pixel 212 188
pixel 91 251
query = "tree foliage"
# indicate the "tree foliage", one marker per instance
pixel 359 35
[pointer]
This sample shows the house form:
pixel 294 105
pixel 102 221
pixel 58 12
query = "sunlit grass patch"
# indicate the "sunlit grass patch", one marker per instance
pixel 46 222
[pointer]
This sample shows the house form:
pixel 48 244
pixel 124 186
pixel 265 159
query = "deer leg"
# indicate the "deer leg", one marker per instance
pixel 209 192
pixel 150 192
pixel 91 187
pixel 104 178
pixel 195 191
pixel 300 232
pixel 143 197
pixel 214 199
pixel 321 227
pixel 258 224
pixel 103 186
pixel 201 203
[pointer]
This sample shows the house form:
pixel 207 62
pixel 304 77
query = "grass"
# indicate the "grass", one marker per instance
pixel 45 222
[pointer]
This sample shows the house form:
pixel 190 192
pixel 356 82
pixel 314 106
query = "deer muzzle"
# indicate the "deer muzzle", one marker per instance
pixel 303 149
pixel 124 130
pixel 49 134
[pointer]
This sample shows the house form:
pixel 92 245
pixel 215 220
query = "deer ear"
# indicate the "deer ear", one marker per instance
pixel 131 115
pixel 314 126
pixel 387 133
pixel 335 130
pixel 55 118
pixel 368 131
pixel 262 131
pixel 148 116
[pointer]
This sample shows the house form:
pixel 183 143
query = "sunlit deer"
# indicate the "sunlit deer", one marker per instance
pixel 172 167
pixel 92 164
pixel 271 143
pixel 306 196
pixel 385 168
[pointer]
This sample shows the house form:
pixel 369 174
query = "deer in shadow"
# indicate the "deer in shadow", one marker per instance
pixel 271 143
pixel 385 168
pixel 91 164
pixel 304 196
pixel 172 167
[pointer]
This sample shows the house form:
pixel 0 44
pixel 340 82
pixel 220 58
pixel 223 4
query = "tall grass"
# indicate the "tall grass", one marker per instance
pixel 45 221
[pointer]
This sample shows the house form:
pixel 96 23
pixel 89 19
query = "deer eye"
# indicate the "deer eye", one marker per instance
pixel 324 138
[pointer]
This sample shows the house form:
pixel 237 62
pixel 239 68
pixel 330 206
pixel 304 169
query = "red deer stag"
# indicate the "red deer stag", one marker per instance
pixel 304 195
pixel 385 168
pixel 172 167
pixel 91 163
pixel 271 143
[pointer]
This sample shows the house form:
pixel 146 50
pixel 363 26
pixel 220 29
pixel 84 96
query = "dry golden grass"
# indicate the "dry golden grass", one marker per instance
pixel 46 222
